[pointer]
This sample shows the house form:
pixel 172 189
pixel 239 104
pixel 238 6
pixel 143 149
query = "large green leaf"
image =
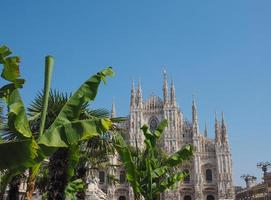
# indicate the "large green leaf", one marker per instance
pixel 168 182
pixel 17 119
pixel 4 52
pixel 126 157
pixel 86 93
pixel 11 70
pixel 67 129
pixel 18 154
pixel 73 187
pixel 71 133
pixel 180 156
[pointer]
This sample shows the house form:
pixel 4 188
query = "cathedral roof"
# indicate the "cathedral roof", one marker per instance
pixel 153 102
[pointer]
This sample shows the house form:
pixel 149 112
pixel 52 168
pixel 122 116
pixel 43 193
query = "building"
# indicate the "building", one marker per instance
pixel 255 191
pixel 210 171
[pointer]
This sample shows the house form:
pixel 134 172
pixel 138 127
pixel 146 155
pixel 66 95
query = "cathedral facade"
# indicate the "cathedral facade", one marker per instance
pixel 210 170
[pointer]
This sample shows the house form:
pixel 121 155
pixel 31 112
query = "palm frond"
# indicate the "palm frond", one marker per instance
pixel 56 102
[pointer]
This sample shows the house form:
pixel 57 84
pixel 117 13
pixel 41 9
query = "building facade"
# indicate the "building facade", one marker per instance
pixel 210 171
pixel 255 191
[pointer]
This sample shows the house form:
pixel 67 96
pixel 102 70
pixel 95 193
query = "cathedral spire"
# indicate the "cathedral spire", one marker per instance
pixel 195 116
pixel 165 88
pixel 172 94
pixel 205 131
pixel 139 96
pixel 217 130
pixel 113 111
pixel 133 96
pixel 223 125
pixel 224 129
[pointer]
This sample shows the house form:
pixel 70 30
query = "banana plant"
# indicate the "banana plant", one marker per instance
pixel 26 151
pixel 147 173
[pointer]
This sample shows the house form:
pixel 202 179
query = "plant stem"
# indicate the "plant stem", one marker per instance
pixel 31 181
pixel 4 182
pixel 49 64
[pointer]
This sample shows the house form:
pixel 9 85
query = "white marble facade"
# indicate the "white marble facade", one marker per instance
pixel 211 168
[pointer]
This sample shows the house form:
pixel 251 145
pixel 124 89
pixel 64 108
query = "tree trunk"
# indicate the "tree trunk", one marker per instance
pixel 13 193
pixel 30 185
pixel 58 177
pixel 81 173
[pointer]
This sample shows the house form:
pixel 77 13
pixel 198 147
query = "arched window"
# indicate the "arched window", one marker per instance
pixel 122 177
pixel 187 178
pixel 101 177
pixel 122 198
pixel 209 175
pixel 210 197
pixel 153 123
pixel 187 197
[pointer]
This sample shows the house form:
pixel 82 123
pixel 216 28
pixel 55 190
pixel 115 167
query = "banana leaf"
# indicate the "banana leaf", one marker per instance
pixel 146 170
pixel 86 93
pixel 180 156
pixel 17 119
pixel 11 68
pixel 126 157
pixel 18 154
pixel 67 129
pixel 168 182
pixel 71 133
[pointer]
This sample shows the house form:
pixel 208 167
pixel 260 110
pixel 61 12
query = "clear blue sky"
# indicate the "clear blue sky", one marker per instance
pixel 218 50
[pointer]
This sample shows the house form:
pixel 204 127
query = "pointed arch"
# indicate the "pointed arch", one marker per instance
pixel 210 197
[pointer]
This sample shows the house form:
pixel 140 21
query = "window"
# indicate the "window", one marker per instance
pixel 209 175
pixel 101 177
pixel 122 177
pixel 210 197
pixel 187 197
pixel 153 123
pixel 187 178
pixel 122 198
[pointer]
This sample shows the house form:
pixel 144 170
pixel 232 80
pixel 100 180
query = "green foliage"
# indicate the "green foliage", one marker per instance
pixel 66 130
pixel 10 72
pixel 17 119
pixel 18 154
pixel 73 187
pixel 148 171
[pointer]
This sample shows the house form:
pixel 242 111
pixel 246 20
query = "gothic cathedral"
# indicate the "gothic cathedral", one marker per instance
pixel 210 171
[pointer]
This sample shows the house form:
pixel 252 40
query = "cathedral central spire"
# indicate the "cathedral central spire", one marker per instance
pixel 217 130
pixel 165 88
pixel 133 96
pixel 195 116
pixel 224 129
